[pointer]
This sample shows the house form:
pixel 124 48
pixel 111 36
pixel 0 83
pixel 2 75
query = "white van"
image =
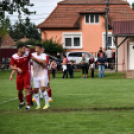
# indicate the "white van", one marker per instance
pixel 77 55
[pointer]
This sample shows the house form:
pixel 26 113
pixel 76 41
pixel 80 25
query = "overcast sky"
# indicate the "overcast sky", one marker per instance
pixel 43 8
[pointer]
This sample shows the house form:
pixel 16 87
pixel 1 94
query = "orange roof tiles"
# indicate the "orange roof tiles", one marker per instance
pixel 67 13
pixel 91 2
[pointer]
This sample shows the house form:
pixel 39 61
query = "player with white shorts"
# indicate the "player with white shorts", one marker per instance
pixel 39 79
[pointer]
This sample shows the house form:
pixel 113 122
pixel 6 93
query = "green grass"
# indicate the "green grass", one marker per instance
pixel 80 106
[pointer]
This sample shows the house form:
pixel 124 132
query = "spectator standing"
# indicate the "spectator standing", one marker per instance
pixel 109 55
pixel 53 67
pixel 99 53
pixel 101 65
pixel 84 63
pixel 71 69
pixel 92 66
pixel 65 66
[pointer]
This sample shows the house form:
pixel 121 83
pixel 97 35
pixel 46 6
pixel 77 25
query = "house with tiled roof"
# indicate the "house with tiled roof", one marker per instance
pixel 8 42
pixel 80 24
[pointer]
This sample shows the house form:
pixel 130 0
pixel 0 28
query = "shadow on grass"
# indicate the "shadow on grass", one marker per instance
pixel 66 110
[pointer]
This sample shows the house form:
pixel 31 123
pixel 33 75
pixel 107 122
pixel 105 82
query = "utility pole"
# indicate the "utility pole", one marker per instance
pixel 107 10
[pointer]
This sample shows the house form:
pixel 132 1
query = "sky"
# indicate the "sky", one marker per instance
pixel 43 8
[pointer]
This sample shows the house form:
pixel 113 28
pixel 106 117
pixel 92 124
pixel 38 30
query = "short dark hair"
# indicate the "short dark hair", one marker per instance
pixel 38 45
pixel 27 47
pixel 20 46
pixel 64 55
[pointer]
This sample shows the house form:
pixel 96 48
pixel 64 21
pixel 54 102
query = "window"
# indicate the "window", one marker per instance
pixel 76 41
pixel 86 55
pixel 75 54
pixel 110 40
pixel 68 41
pixel 72 40
pixel 87 18
pixel 92 18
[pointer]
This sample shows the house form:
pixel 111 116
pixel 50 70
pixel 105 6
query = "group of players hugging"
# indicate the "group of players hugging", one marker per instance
pixel 31 67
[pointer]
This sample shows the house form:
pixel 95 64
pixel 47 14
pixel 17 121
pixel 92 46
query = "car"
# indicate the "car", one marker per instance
pixel 77 55
pixel 58 62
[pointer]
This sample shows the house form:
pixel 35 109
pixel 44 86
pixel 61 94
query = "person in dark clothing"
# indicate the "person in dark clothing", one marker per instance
pixel 99 53
pixel 71 70
pixel 101 65
pixel 65 66
pixel 53 67
pixel 91 66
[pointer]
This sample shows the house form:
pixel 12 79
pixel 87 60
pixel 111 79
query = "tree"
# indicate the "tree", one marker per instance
pixel 24 28
pixel 133 6
pixel 20 6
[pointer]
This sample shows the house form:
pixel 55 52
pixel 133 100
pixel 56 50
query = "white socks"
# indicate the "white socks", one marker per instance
pixel 41 93
pixel 46 98
pixel 36 96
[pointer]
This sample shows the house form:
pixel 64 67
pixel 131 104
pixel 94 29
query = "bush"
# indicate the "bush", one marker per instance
pixel 51 46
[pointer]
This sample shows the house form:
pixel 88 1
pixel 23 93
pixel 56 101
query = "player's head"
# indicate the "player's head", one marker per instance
pixel 38 48
pixel 21 48
pixel 43 49
pixel 27 49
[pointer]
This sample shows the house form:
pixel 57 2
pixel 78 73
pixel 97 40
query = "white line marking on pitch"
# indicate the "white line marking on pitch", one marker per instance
pixel 8 101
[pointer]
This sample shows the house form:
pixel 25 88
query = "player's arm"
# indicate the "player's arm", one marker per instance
pixel 38 61
pixel 11 75
pixel 15 68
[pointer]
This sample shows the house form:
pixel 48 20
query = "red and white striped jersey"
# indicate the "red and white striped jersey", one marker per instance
pixel 22 62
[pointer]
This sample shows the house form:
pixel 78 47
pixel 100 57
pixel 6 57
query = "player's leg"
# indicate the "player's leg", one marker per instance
pixel 49 93
pixel 31 90
pixel 48 86
pixel 36 83
pixel 20 87
pixel 41 94
pixel 43 85
pixel 27 85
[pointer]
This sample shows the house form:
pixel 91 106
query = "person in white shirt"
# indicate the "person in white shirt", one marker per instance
pixel 109 54
pixel 39 79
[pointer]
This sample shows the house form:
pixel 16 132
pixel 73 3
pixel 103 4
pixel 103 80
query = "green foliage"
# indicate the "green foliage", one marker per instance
pixel 24 28
pixel 3 28
pixel 31 42
pixel 20 6
pixel 52 46
pixel 133 6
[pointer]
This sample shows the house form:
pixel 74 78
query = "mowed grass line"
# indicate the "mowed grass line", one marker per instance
pixel 88 106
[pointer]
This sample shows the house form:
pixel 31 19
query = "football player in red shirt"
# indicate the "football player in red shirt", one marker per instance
pixel 21 63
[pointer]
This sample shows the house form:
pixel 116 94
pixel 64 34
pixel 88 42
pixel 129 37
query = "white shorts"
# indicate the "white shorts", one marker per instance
pixel 39 82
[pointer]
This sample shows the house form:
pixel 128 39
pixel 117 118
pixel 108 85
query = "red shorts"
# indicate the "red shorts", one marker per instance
pixel 23 82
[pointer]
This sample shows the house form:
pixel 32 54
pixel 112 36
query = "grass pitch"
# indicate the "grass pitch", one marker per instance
pixel 80 106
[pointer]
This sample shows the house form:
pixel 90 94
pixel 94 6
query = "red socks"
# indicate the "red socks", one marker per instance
pixel 28 99
pixel 20 96
pixel 49 92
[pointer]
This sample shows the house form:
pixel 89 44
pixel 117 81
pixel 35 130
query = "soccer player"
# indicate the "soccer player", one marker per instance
pixel 27 49
pixel 20 62
pixel 47 74
pixel 39 77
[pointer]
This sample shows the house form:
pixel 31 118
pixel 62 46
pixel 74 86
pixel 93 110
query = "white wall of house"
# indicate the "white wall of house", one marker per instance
pixel 124 54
